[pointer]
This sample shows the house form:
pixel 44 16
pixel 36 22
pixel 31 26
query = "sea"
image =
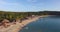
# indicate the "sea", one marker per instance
pixel 43 24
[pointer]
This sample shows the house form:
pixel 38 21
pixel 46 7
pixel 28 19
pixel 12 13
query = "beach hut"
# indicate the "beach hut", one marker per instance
pixel 0 24
pixel 14 21
pixel 5 23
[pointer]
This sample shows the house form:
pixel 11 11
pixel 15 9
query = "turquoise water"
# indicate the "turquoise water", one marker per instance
pixel 45 24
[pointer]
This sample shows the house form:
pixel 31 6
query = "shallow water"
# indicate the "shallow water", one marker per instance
pixel 45 24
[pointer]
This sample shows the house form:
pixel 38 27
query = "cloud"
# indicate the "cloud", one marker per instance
pixel 35 2
pixel 2 2
pixel 32 0
pixel 6 3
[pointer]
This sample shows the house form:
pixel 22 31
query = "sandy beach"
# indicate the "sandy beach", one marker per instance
pixel 18 26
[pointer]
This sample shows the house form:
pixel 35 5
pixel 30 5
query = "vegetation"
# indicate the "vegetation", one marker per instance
pixel 20 15
pixel 15 15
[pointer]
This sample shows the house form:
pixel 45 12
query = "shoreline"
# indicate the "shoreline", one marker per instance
pixel 31 20
pixel 24 23
pixel 18 26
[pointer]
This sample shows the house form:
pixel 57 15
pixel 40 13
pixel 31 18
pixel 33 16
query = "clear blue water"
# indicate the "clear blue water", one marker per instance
pixel 45 24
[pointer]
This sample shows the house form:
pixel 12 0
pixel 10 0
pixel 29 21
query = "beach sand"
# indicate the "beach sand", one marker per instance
pixel 18 26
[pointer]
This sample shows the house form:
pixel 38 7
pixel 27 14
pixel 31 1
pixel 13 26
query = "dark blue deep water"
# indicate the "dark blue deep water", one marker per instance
pixel 44 24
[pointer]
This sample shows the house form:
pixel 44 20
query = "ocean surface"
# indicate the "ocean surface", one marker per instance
pixel 44 24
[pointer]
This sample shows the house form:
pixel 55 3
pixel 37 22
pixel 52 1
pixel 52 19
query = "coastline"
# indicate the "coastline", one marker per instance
pixel 24 23
pixel 18 26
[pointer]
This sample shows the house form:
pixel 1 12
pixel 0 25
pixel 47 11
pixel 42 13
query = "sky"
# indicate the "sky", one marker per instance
pixel 29 5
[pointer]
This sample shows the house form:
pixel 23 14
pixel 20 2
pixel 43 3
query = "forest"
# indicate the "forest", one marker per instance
pixel 20 15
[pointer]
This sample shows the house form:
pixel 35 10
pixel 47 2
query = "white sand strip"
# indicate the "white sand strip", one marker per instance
pixel 18 26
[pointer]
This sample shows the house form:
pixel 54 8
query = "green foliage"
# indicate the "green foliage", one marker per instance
pixel 16 15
